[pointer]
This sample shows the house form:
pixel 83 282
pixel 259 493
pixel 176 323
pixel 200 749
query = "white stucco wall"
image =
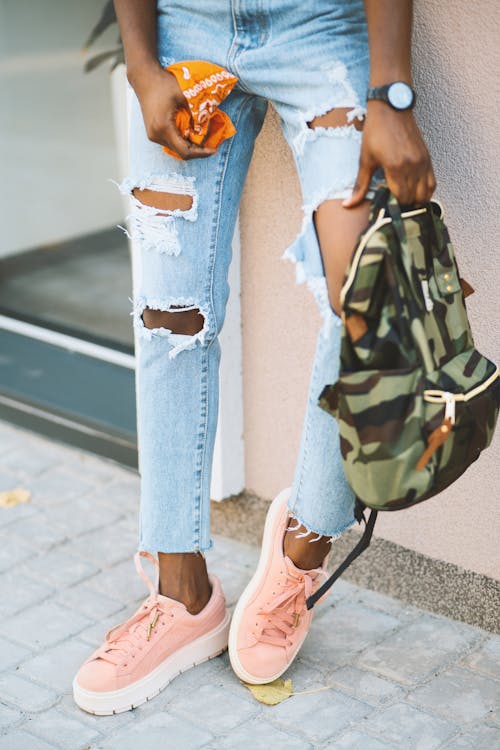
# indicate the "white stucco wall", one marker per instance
pixel 455 74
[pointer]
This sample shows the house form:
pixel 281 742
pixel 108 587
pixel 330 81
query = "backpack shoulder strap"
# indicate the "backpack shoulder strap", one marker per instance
pixel 360 547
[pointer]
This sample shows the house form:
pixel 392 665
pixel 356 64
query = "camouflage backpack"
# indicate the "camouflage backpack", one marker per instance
pixel 416 403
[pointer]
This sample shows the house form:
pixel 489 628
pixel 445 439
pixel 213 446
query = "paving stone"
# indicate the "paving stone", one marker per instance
pixel 340 591
pixel 365 686
pixel 94 605
pixel 18 592
pixel 38 533
pixel 62 730
pixel 108 545
pixel 57 666
pixel 121 582
pixel 58 485
pixel 78 516
pixel 222 677
pixel 13 551
pixel 40 456
pixel 306 677
pixel 233 552
pixel 24 694
pixel 103 725
pixel 43 625
pixel 11 654
pixel 198 706
pixel 233 579
pixel 8 481
pixel 420 647
pixel 94 635
pixel 334 640
pixel 151 734
pixel 121 494
pixel 354 740
pixel 389 605
pixel 20 740
pixel 10 438
pixel 486 659
pixel 211 673
pixel 84 518
pixel 478 738
pixel 58 568
pixel 8 716
pixel 262 736
pixel 16 512
pixel 459 694
pixel 410 728
pixel 100 469
pixel 320 715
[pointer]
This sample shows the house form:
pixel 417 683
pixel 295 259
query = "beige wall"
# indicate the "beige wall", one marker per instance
pixel 455 47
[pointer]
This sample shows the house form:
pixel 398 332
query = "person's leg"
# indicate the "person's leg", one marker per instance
pixel 324 131
pixel 322 118
pixel 337 229
pixel 182 220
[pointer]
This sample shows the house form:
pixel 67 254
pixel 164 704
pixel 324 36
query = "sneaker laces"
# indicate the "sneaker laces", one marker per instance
pixel 122 638
pixel 282 617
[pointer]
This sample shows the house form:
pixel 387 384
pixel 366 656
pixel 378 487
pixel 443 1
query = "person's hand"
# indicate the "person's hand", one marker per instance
pixel 392 140
pixel 161 97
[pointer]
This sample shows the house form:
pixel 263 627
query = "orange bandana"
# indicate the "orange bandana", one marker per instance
pixel 204 85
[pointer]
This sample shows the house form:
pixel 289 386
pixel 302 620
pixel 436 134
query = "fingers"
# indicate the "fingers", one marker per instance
pixel 184 147
pixel 411 182
pixel 168 135
pixel 401 184
pixel 362 184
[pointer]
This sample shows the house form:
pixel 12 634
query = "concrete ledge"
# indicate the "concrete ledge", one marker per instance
pixel 386 567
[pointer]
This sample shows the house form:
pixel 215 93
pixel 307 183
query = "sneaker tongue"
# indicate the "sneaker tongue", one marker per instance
pixel 167 601
pixel 295 570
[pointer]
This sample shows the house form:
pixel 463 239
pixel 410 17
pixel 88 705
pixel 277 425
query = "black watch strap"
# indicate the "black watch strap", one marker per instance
pixel 378 92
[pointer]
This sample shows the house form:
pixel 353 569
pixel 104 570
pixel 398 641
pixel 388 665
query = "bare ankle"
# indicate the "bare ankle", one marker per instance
pixel 184 577
pixel 302 552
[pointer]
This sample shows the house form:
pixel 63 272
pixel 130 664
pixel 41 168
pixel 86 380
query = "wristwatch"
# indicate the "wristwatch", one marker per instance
pixel 398 95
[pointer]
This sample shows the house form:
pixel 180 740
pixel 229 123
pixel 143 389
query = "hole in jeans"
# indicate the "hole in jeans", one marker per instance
pixel 163 201
pixel 177 319
pixel 337 118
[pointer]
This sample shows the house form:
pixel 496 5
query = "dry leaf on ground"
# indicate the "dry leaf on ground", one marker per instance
pixel 271 693
pixel 14 497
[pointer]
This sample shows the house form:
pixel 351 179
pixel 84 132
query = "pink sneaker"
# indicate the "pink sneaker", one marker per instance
pixel 141 656
pixel 271 621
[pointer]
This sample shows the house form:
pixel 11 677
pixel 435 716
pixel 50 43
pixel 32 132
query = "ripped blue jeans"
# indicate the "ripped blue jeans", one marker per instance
pixel 306 59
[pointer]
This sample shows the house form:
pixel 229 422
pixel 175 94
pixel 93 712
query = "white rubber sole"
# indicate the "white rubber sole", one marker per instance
pixel 274 511
pixel 202 649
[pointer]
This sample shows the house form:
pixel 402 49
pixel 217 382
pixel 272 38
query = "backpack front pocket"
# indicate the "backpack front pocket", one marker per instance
pixel 465 391
pixel 380 416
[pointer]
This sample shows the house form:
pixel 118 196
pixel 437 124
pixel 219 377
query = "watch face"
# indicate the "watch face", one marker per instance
pixel 400 95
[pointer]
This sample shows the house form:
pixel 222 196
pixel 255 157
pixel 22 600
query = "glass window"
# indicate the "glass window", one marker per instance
pixel 62 261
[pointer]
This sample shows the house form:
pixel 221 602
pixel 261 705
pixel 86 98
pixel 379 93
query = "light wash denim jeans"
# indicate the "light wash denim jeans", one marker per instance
pixel 306 58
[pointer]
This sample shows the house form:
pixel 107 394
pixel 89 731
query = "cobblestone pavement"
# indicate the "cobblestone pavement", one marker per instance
pixel 400 677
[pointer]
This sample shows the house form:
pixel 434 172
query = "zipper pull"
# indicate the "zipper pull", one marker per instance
pixel 434 441
pixel 449 409
pixel 429 302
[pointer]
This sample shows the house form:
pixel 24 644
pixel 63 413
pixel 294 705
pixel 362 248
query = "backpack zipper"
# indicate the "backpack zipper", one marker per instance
pixel 442 432
pixel 380 221
pixel 435 396
pixel 429 302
